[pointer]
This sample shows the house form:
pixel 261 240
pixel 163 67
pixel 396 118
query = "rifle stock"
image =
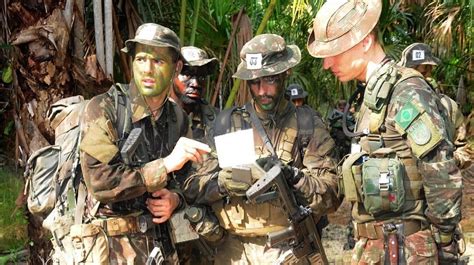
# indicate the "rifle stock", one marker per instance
pixel 302 234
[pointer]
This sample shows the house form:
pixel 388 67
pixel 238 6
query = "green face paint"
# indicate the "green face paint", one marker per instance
pixel 153 69
pixel 266 91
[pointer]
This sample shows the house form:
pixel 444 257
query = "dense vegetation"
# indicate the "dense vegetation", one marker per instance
pixel 52 49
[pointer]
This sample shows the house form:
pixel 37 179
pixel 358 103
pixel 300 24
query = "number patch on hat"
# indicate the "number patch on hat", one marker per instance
pixel 294 92
pixel 254 61
pixel 418 55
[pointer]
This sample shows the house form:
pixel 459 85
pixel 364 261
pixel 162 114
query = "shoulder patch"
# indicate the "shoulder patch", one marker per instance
pixel 406 115
pixel 423 135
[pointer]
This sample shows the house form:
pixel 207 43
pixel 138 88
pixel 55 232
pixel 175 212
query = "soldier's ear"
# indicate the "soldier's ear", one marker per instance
pixel 368 42
pixel 179 67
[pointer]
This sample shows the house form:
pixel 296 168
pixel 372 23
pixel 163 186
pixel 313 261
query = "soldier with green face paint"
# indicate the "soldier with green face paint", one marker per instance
pixel 266 62
pixel 128 194
pixel 401 176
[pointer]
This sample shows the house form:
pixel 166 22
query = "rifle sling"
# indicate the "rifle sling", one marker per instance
pixel 260 130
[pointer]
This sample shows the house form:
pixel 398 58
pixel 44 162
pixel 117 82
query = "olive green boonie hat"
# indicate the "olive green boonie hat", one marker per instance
pixel 154 35
pixel 340 24
pixel 265 55
pixel 416 54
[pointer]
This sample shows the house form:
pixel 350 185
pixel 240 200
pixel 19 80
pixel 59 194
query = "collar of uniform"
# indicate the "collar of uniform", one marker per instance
pixel 139 107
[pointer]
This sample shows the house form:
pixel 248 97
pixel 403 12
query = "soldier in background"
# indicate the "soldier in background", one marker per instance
pixel 407 216
pixel 343 142
pixel 266 61
pixel 189 87
pixel 419 57
pixel 296 94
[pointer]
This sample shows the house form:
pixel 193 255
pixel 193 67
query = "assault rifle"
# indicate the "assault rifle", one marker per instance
pixel 302 234
pixel 163 245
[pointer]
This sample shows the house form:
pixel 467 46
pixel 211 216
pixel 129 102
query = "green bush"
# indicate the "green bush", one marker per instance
pixel 13 225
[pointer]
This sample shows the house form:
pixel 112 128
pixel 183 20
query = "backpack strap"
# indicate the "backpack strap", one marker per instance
pixel 120 94
pixel 175 123
pixel 223 121
pixel 305 122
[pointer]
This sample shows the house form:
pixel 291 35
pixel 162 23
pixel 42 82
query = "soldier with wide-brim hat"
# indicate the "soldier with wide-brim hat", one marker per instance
pixel 342 24
pixel 398 109
pixel 265 55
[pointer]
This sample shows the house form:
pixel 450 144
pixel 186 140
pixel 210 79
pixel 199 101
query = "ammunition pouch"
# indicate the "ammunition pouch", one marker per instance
pixel 89 244
pixel 376 180
pixel 382 182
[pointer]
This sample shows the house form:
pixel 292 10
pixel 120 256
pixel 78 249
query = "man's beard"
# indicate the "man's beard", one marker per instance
pixel 189 100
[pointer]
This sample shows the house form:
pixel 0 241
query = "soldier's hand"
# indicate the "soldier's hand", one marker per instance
pixel 185 150
pixel 229 186
pixel 162 204
pixel 448 253
pixel 292 174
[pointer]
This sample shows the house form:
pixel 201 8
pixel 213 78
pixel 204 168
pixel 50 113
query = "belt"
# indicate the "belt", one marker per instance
pixel 375 230
pixel 117 226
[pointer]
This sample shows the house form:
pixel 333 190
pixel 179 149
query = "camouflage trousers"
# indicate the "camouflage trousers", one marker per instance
pixel 419 248
pixel 237 250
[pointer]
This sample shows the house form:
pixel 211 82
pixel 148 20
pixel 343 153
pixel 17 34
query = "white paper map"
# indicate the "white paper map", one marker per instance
pixel 236 148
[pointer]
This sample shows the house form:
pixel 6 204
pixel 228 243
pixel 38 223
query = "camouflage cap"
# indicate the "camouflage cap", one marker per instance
pixel 416 54
pixel 340 24
pixel 154 35
pixel 295 91
pixel 196 57
pixel 265 55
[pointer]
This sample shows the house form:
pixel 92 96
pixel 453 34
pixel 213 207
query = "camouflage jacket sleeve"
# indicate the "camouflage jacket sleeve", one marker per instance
pixel 319 186
pixel 427 136
pixel 106 176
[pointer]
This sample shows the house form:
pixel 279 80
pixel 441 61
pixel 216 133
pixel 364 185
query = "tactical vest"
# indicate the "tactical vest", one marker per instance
pixel 379 139
pixel 251 220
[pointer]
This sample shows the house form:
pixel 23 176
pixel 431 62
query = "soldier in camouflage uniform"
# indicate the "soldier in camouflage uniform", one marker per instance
pixel 125 202
pixel 296 94
pixel 401 176
pixel 266 62
pixel 420 57
pixel 187 92
pixel 189 87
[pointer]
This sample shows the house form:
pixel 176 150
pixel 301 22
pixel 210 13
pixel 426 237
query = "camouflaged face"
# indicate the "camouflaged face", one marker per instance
pixel 266 55
pixel 416 54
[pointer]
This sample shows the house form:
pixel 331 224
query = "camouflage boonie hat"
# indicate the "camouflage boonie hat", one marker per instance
pixel 340 24
pixel 295 91
pixel 196 57
pixel 265 55
pixel 416 54
pixel 154 35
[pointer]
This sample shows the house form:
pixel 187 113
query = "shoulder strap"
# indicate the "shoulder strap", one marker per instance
pixel 175 123
pixel 119 92
pixel 223 121
pixel 305 122
pixel 260 130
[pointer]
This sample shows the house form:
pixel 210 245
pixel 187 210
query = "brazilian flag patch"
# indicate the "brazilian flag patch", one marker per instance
pixel 406 115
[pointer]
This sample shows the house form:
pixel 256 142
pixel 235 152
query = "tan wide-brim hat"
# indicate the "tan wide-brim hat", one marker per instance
pixel 340 24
